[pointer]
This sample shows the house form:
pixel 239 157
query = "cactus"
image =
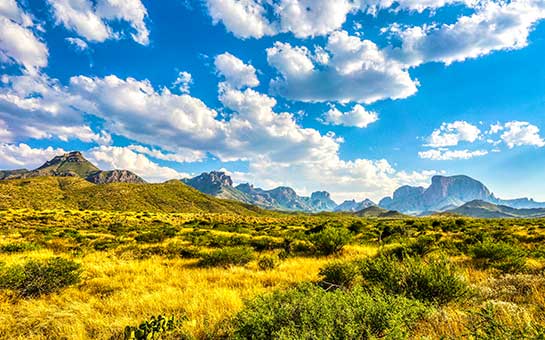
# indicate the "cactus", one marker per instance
pixel 151 329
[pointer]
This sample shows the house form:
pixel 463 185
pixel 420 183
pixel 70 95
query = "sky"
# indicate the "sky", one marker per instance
pixel 356 97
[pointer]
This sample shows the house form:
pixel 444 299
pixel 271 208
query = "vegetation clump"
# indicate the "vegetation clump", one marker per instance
pixel 237 256
pixel 309 312
pixel 331 240
pixel 38 277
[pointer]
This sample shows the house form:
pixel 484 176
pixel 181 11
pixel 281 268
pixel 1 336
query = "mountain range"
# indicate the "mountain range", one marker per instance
pixel 448 193
pixel 220 185
pixel 70 181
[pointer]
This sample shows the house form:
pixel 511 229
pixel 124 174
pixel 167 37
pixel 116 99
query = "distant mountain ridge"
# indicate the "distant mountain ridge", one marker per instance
pixel 73 164
pixel 352 205
pixel 447 193
pixel 482 209
pixel 219 184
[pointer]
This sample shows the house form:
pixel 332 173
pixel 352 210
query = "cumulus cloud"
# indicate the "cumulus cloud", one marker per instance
pixel 183 82
pixel 494 26
pixel 14 156
pixel 357 70
pixel 113 157
pixel 236 73
pixel 244 18
pixel 92 22
pixel 450 134
pixel 521 133
pixel 303 18
pixel 447 155
pixel 18 43
pixel 36 106
pixel 358 117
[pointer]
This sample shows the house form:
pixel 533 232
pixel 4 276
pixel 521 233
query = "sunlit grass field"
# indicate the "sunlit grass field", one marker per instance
pixel 215 273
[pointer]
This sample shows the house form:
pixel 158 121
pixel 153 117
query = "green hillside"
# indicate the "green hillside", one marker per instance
pixel 374 211
pixel 483 209
pixel 77 193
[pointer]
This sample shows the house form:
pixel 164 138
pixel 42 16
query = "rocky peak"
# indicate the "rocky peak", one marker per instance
pixel 211 183
pixel 317 195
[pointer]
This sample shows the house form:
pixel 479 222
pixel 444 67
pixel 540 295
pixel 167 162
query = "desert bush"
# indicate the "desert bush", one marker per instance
pixel 38 277
pixel 156 236
pixel 340 273
pixel 331 240
pixel 499 255
pixel 267 262
pixel 18 247
pixel 436 281
pixel 225 257
pixel 309 312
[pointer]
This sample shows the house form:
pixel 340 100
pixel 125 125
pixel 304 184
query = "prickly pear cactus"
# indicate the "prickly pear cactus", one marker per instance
pixel 151 329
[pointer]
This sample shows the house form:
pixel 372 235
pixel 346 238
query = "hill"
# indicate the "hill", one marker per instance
pixel 76 193
pixel 374 211
pixel 482 209
pixel 73 164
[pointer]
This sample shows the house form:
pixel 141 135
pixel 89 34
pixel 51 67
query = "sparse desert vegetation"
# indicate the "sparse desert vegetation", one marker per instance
pixel 79 274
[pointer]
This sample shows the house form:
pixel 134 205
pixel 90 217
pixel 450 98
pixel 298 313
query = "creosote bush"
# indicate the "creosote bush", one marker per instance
pixel 331 240
pixel 309 312
pixel 436 281
pixel 38 277
pixel 225 257
pixel 500 255
pixel 267 262
pixel 340 273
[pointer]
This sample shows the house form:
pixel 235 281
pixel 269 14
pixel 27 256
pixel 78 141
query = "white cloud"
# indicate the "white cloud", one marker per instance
pixel 10 10
pixel 494 26
pixel 14 156
pixel 244 18
pixel 521 133
pixel 91 23
pixel 131 11
pixel 183 82
pixel 236 73
pixel 303 18
pixel 113 157
pixel 357 70
pixel 35 106
pixel 17 41
pixel 358 117
pixel 181 156
pixel 79 44
pixel 446 155
pixel 450 134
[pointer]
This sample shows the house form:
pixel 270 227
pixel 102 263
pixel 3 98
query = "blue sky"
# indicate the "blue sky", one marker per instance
pixel 353 97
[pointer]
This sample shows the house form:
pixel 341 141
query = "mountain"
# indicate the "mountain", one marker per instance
pixel 353 206
pixel 446 193
pixel 73 164
pixel 374 211
pixel 482 209
pixel 73 192
pixel 220 185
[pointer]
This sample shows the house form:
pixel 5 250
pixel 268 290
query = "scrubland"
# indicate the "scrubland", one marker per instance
pixel 80 274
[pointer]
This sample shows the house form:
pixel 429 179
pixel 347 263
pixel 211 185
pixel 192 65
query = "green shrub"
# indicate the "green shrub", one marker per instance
pixel 18 247
pixel 437 281
pixel 38 277
pixel 331 240
pixel 499 255
pixel 309 312
pixel 267 262
pixel 225 257
pixel 339 273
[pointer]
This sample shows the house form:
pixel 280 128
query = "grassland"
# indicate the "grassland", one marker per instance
pixel 224 275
